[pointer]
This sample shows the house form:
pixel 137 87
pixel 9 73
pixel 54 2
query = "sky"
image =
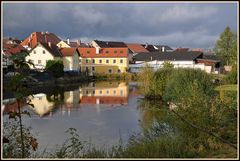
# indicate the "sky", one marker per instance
pixel 193 25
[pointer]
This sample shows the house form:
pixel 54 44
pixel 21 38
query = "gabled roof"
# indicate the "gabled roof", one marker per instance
pixel 90 52
pixel 168 56
pixel 110 44
pixel 149 47
pixel 40 37
pixel 15 50
pixel 165 46
pixel 75 44
pixel 53 49
pixel 182 49
pixel 68 51
pixel 136 48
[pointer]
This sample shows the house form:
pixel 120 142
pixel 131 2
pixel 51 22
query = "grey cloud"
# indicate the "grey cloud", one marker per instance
pixel 176 24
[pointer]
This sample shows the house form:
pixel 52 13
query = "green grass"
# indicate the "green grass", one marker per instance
pixel 228 87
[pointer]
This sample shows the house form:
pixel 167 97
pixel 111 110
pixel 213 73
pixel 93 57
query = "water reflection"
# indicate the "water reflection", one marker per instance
pixel 94 93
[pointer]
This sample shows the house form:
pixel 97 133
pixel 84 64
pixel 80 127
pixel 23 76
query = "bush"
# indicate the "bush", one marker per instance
pixel 55 67
pixel 185 81
pixel 231 77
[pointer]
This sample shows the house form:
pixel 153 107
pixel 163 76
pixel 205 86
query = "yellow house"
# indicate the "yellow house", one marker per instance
pixel 70 57
pixel 41 53
pixel 103 60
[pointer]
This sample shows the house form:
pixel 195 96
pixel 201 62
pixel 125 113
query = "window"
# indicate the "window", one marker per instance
pixel 43 51
pixel 80 60
pixel 115 51
pixel 39 61
pixel 88 51
pixel 114 61
pixel 30 60
pixel 93 68
pixel 119 71
pixel 107 61
pixel 34 52
pixel 114 92
pixel 107 92
pixel 86 91
pixel 121 92
pixel 107 51
pixel 121 61
pixel 93 61
pixel 100 92
pixel 109 70
pixel 86 61
pixel 121 51
pixel 93 91
pixel 100 61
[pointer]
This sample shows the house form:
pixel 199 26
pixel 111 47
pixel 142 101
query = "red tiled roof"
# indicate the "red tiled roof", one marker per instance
pixel 103 100
pixel 136 48
pixel 182 49
pixel 15 50
pixel 68 51
pixel 42 37
pixel 112 52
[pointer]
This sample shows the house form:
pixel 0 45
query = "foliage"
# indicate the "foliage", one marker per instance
pixel 167 64
pixel 12 146
pixel 56 67
pixel 72 147
pixel 231 77
pixel 226 47
pixel 184 82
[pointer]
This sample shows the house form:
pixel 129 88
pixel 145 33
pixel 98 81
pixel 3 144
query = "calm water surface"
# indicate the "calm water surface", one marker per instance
pixel 101 112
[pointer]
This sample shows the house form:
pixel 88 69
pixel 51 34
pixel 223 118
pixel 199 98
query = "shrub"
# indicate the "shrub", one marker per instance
pixel 55 67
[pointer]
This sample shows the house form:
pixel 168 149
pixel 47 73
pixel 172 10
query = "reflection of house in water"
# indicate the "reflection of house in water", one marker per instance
pixel 71 100
pixel 10 105
pixel 41 105
pixel 104 93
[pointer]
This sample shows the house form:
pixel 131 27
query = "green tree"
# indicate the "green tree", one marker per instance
pixel 226 47
pixel 55 67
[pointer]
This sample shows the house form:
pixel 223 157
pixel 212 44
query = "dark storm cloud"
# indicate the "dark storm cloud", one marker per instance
pixel 175 24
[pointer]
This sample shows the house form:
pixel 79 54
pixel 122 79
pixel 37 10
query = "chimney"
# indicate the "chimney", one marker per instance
pixel 97 50
pixel 49 44
pixel 47 32
pixel 68 41
pixel 163 49
pixel 42 32
pixel 146 45
pixel 78 42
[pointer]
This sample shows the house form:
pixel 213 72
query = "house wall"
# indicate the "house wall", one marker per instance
pixel 135 68
pixel 71 63
pixel 62 44
pixel 104 67
pixel 39 56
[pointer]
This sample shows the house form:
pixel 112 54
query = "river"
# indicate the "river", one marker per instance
pixel 101 112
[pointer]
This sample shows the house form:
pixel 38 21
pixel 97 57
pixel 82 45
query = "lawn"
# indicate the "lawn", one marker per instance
pixel 228 87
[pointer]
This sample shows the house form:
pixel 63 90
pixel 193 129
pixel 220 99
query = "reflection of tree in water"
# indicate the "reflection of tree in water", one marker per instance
pixel 56 96
pixel 156 118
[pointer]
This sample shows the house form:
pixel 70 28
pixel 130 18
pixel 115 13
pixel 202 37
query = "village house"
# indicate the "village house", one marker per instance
pixel 70 57
pixel 40 37
pixel 181 59
pixel 103 60
pixel 69 44
pixel 41 53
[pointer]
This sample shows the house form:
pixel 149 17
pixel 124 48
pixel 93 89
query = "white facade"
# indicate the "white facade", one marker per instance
pixel 135 68
pixel 39 57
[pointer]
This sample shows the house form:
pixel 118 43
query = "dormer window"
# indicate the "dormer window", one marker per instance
pixel 107 52
pixel 121 51
pixel 34 52
pixel 115 51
